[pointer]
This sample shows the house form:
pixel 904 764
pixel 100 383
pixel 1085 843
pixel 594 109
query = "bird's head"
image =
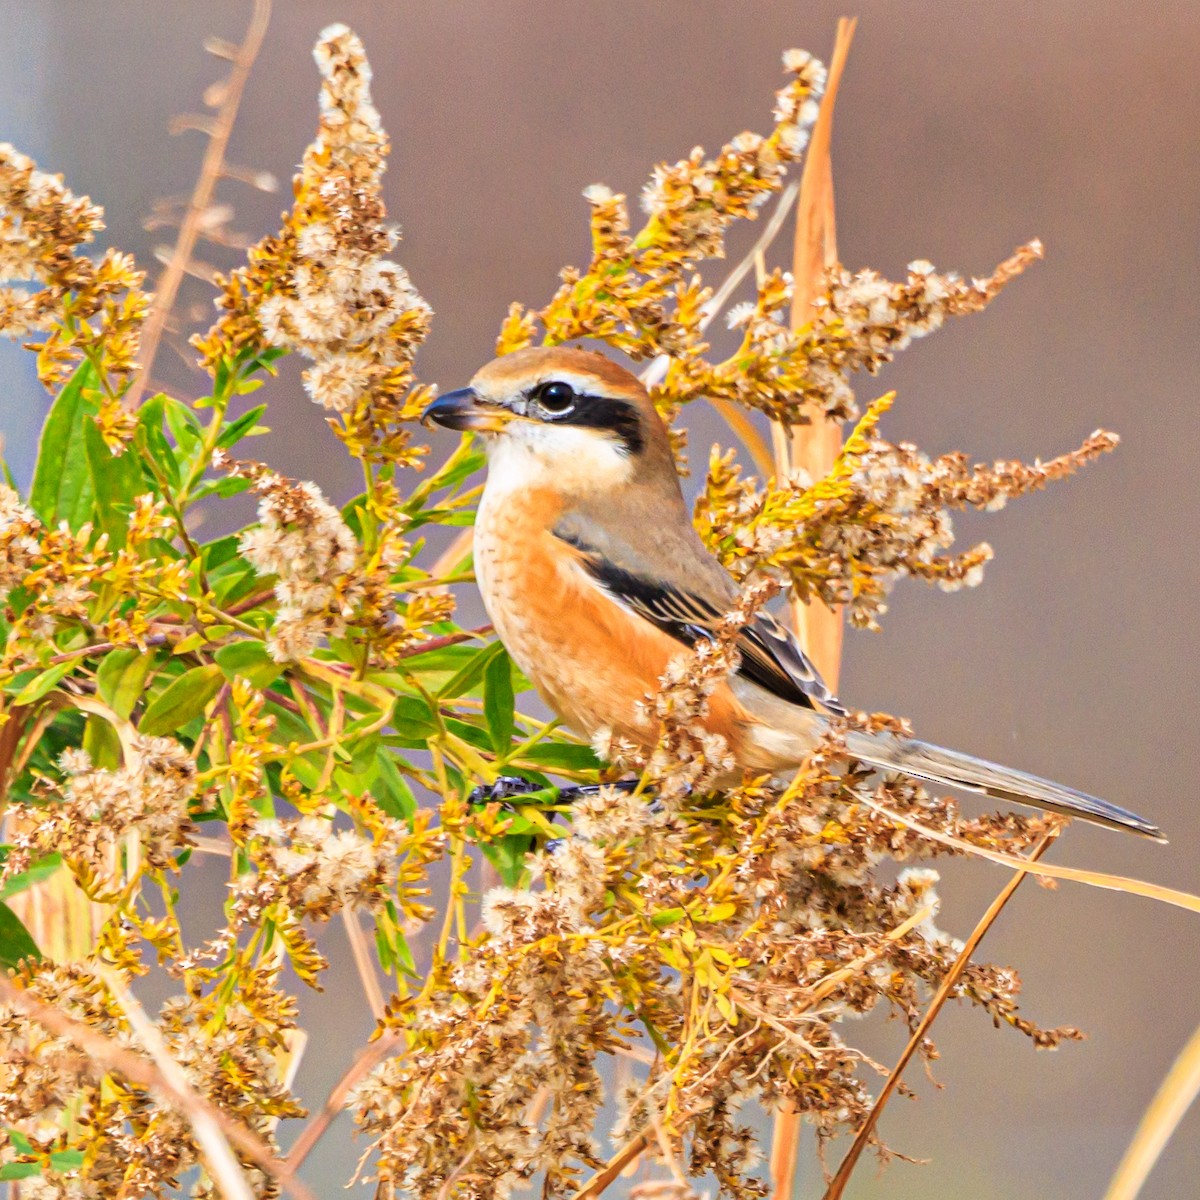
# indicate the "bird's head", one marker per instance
pixel 557 412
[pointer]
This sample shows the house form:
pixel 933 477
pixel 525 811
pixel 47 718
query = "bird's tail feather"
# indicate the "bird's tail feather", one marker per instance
pixel 934 764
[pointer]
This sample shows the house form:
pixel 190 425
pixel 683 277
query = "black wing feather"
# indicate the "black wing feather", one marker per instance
pixel 771 656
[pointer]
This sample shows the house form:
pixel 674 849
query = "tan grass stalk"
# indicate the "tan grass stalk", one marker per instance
pixel 106 1055
pixel 1175 1096
pixel 211 170
pixel 813 448
pixel 837 1185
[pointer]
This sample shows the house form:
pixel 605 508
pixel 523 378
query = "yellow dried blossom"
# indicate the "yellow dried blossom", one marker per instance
pixel 323 286
pixel 87 309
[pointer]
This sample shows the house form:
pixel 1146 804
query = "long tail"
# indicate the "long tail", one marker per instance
pixel 934 764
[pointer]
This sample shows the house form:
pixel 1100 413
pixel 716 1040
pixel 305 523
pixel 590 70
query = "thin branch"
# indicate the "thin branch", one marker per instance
pixel 743 427
pixel 106 1055
pixel 448 639
pixel 657 369
pixel 367 1060
pixel 1175 1096
pixel 363 962
pixel 211 171
pixel 223 1166
pixel 612 1169
pixel 861 1139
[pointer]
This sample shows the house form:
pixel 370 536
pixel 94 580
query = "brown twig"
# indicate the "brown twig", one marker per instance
pixel 210 171
pixel 838 1184
pixel 368 1059
pixel 107 1055
pixel 612 1169
pixel 447 639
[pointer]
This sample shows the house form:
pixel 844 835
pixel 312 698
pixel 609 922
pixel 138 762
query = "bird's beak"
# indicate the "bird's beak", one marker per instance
pixel 464 410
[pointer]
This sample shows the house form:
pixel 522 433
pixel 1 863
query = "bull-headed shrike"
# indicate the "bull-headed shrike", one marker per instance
pixel 595 579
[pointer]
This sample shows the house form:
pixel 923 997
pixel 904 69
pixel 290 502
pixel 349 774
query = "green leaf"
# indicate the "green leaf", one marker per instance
pixel 150 429
pixel 412 723
pixel 20 1171
pixel 471 675
pixel 62 480
pixel 244 426
pixel 392 792
pixel 218 553
pixel 251 660
pixel 15 942
pixel 567 755
pixel 231 485
pixel 507 855
pixel 121 678
pixel 182 700
pixel 182 423
pixel 102 743
pixel 66 1160
pixel 19 1142
pixel 44 681
pixel 498 702
pixel 467 466
pixel 116 482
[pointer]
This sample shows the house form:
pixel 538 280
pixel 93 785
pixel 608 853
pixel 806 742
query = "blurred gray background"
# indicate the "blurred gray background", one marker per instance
pixel 963 129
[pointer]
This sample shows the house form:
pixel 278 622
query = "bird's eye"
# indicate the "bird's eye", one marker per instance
pixel 556 398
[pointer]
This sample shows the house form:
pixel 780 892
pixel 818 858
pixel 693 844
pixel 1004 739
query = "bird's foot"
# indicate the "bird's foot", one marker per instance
pixel 569 795
pixel 505 788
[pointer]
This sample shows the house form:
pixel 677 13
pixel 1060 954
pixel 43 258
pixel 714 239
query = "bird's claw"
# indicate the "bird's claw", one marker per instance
pixel 569 795
pixel 503 789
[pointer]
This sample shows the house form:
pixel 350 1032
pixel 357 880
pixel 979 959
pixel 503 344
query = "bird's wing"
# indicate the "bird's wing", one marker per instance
pixel 770 656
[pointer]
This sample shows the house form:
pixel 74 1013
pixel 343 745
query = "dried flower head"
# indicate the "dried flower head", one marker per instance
pixel 93 811
pixel 303 542
pixel 323 286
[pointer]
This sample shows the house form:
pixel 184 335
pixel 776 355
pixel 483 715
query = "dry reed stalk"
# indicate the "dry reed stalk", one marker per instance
pixel 211 170
pixel 837 1185
pixel 813 448
pixel 1175 1096
pixel 63 922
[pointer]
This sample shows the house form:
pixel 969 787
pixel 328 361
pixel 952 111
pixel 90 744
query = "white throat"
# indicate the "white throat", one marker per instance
pixel 570 459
